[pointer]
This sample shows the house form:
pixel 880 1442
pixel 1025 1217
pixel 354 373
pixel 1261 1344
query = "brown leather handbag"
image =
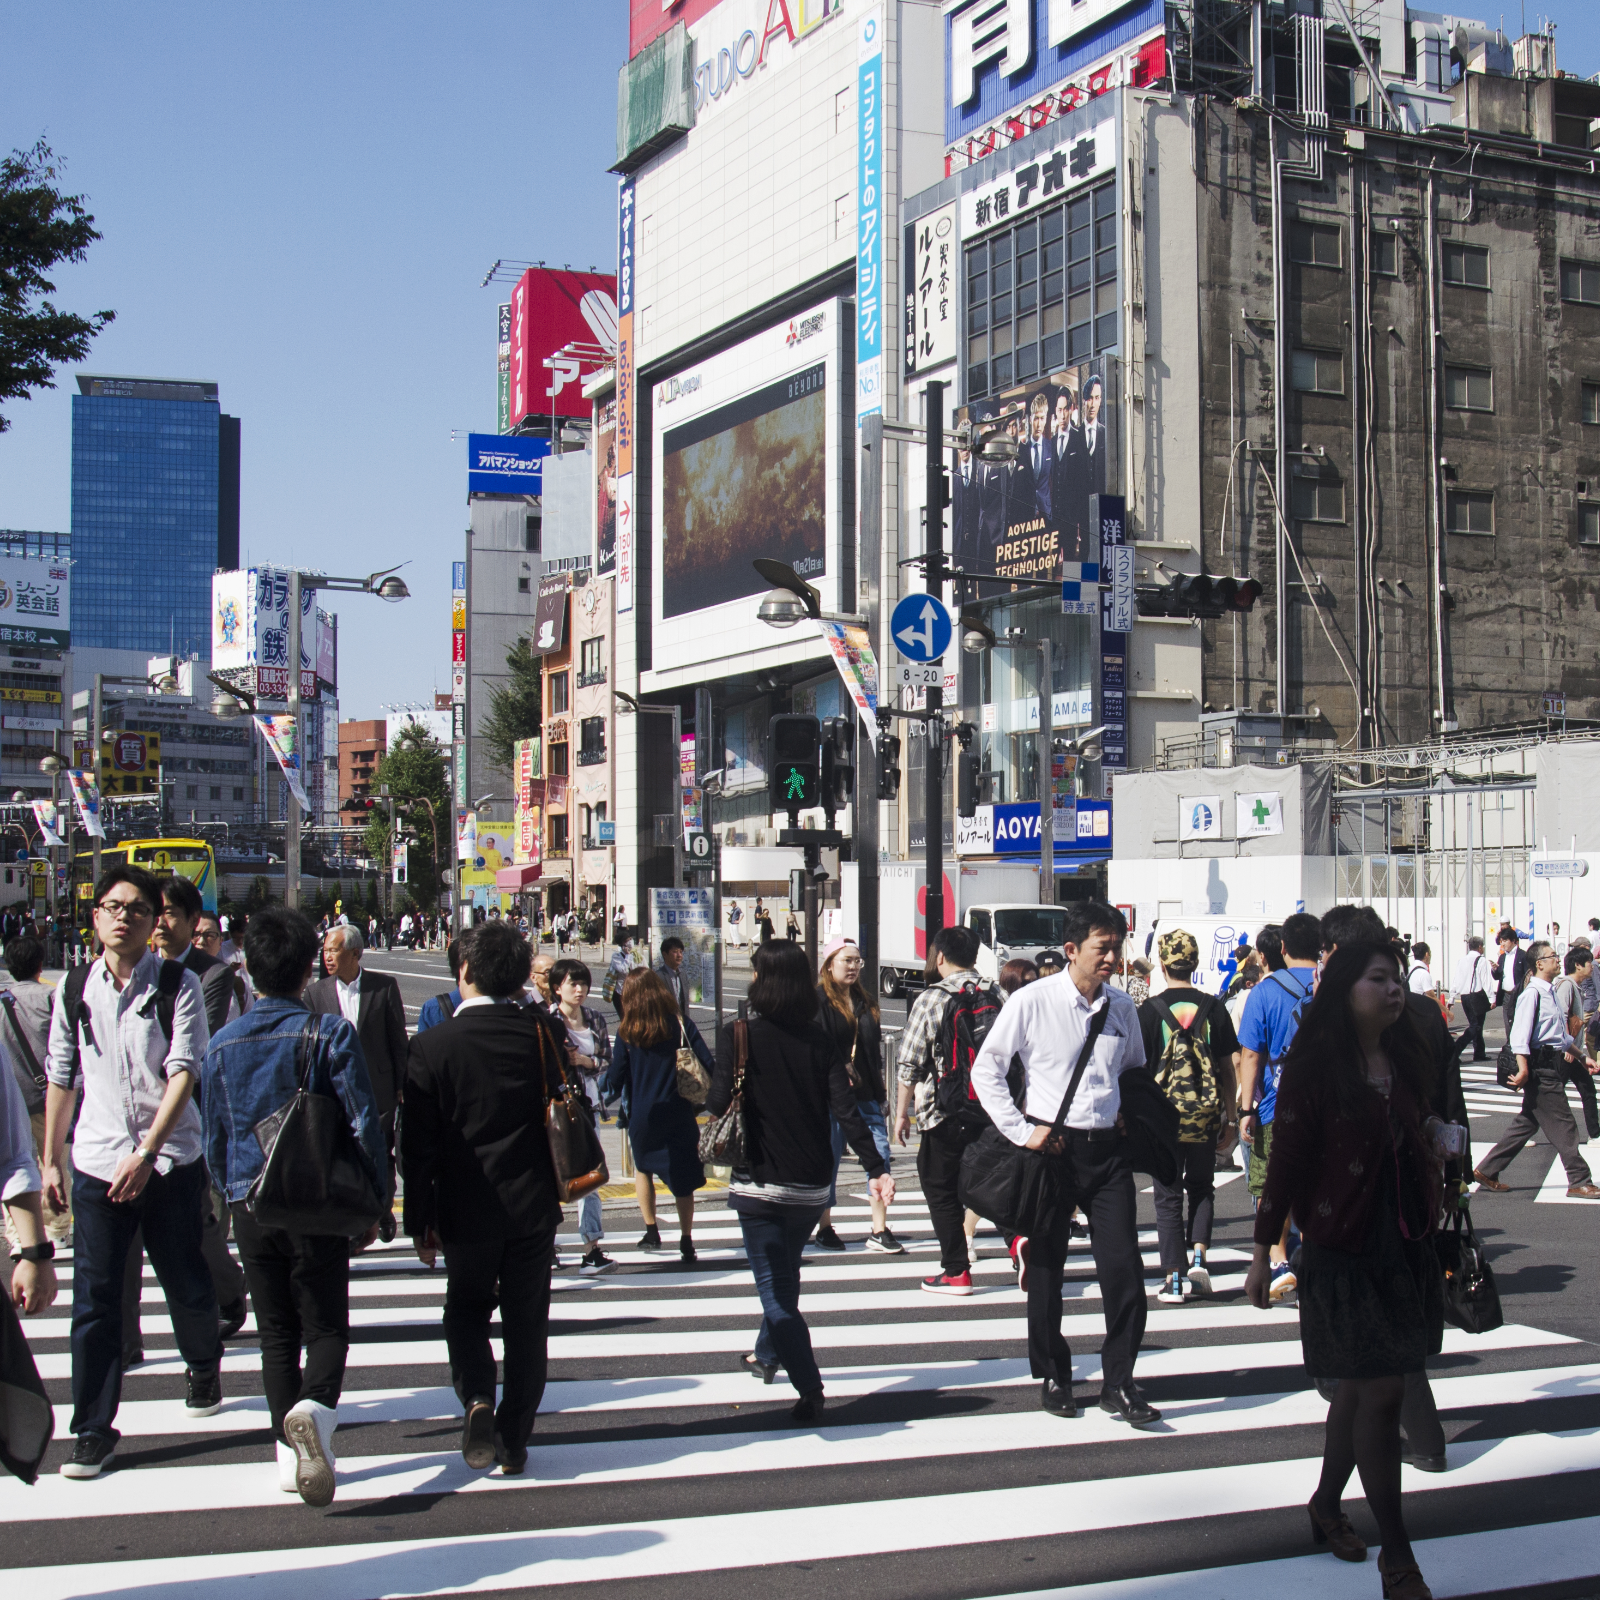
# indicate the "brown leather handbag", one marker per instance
pixel 575 1150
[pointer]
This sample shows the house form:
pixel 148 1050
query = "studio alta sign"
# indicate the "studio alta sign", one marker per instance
pixel 752 39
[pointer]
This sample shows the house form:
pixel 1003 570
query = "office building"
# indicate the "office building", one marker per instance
pixel 155 511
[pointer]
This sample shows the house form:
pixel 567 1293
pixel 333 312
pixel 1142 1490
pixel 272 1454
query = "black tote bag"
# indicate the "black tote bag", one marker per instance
pixel 1471 1300
pixel 1017 1189
pixel 315 1180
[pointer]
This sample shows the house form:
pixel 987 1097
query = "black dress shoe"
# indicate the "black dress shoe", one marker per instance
pixel 132 1356
pixel 387 1227
pixel 477 1435
pixel 513 1462
pixel 1056 1400
pixel 1414 1458
pixel 1128 1404
pixel 233 1317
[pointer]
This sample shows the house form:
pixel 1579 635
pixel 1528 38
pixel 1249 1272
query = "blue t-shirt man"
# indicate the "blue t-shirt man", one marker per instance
pixel 1271 1018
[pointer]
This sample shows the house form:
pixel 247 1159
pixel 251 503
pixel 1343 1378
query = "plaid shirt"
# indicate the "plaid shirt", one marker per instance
pixel 917 1066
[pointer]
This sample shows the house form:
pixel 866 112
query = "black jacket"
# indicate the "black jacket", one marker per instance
pixel 473 1146
pixel 792 1081
pixel 1520 966
pixel 868 1068
pixel 216 984
pixel 380 1026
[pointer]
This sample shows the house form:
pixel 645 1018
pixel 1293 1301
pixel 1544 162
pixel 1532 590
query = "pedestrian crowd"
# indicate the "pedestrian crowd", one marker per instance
pixel 156 1103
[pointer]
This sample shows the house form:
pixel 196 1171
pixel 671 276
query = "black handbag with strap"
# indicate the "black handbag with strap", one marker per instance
pixel 1151 1123
pixel 1017 1189
pixel 1471 1299
pixel 315 1179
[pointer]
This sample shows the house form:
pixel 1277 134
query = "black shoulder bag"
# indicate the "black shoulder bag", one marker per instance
pixel 1017 1189
pixel 314 1180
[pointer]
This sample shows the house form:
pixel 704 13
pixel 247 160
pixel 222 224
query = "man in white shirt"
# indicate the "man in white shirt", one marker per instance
pixel 1419 979
pixel 135 1157
pixel 1046 1025
pixel 1540 1040
pixel 1475 991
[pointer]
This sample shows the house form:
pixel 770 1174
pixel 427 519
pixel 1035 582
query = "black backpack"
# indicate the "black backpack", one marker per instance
pixel 163 1002
pixel 968 1015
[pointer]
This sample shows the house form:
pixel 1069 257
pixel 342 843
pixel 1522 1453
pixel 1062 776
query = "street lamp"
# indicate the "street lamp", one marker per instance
pixel 629 705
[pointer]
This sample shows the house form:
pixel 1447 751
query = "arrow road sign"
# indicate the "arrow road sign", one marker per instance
pixel 921 628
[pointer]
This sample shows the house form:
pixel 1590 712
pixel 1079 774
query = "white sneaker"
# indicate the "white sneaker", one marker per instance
pixel 286 1476
pixel 1199 1275
pixel 309 1427
pixel 1171 1290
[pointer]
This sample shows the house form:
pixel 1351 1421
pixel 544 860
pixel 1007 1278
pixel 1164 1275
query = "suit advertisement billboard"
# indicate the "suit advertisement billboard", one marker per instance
pixel 1023 519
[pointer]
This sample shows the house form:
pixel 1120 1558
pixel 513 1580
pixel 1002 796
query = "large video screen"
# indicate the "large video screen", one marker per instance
pixel 746 480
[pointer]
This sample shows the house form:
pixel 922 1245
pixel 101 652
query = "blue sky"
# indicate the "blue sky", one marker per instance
pixel 299 202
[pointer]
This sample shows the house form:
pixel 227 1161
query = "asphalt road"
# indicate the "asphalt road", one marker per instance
pixel 661 1471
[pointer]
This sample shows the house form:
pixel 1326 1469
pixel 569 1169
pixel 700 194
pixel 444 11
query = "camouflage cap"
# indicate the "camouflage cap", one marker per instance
pixel 1178 948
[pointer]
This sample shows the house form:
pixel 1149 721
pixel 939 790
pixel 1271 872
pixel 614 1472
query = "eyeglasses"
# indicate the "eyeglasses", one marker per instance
pixel 125 910
pixel 210 936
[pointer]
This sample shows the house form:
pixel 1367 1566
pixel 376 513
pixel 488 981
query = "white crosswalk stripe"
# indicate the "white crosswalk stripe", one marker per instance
pixel 933 1445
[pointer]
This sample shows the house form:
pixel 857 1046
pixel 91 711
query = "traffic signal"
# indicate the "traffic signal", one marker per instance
pixel 794 775
pixel 1196 594
pixel 838 763
pixel 966 784
pixel 888 766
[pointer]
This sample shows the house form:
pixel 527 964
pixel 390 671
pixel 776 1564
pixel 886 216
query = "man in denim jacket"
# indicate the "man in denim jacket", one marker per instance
pixel 299 1283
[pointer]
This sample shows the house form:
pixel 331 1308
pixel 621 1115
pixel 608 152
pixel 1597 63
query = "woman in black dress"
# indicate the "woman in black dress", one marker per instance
pixel 1354 1159
pixel 661 1123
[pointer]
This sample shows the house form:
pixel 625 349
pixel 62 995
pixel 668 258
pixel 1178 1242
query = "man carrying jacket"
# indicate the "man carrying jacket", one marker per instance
pixel 480 1186
pixel 300 1282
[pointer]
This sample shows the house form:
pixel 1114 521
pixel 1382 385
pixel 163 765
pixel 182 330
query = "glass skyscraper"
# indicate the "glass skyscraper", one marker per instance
pixel 155 511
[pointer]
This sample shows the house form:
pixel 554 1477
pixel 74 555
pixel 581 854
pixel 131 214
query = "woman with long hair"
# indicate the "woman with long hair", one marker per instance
pixel 789 1074
pixel 1353 1159
pixel 661 1123
pixel 850 1016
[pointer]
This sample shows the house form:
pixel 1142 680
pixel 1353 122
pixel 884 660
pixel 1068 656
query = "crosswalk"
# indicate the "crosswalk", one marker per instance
pixel 935 1471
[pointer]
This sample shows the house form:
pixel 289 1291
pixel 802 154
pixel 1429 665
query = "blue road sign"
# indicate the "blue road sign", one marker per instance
pixel 920 628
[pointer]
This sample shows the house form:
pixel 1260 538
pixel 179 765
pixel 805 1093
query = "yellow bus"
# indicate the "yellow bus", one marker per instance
pixel 190 858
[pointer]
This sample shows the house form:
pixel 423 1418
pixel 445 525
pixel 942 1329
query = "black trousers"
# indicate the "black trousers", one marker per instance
pixel 300 1284
pixel 1197 1179
pixel 1544 1109
pixel 939 1168
pixel 1476 1008
pixel 1096 1177
pixel 226 1278
pixel 1577 1073
pixel 515 1275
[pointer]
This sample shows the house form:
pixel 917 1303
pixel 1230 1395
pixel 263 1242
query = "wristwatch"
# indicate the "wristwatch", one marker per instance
pixel 146 1156
pixel 37 1252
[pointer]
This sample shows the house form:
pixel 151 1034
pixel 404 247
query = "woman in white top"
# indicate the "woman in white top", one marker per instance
pixel 588 1051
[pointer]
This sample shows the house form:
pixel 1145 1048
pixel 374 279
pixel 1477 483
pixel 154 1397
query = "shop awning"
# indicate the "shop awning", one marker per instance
pixel 516 878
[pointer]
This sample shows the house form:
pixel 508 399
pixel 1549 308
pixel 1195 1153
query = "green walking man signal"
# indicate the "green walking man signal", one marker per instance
pixel 794 767
pixel 795 786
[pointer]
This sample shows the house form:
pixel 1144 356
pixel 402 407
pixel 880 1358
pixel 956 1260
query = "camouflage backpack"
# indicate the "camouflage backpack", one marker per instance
pixel 1185 1074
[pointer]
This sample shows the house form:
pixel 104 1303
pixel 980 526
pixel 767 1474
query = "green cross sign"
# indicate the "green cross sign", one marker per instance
pixel 1260 813
pixel 796 788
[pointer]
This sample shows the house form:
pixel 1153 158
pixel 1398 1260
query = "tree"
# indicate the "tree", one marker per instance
pixel 516 710
pixel 39 228
pixel 414 767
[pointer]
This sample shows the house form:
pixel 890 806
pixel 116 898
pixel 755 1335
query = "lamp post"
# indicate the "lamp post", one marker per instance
pixel 162 683
pixel 629 705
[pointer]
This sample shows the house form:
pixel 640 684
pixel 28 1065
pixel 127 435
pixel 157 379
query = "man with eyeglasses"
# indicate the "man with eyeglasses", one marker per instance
pixel 136 1036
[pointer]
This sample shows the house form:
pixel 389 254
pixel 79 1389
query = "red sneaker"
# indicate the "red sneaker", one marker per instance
pixel 948 1283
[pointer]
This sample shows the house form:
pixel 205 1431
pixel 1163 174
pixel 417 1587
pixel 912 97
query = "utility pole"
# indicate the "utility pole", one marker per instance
pixel 869 509
pixel 1047 781
pixel 934 726
pixel 291 843
pixel 96 712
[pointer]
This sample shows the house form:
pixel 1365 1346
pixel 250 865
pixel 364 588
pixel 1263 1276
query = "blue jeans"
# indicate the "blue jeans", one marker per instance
pixel 169 1210
pixel 774 1238
pixel 870 1113
pixel 590 1229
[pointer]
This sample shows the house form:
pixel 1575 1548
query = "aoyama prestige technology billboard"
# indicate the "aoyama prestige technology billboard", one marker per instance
pixel 746 451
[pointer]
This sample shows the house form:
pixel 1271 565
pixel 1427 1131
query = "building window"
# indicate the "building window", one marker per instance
pixel 592 745
pixel 1468 389
pixel 559 767
pixel 1314 244
pixel 1043 295
pixel 1318 500
pixel 1589 524
pixel 216 791
pixel 560 693
pixel 1317 371
pixel 1385 254
pixel 191 791
pixel 522 586
pixel 1591 402
pixel 558 834
pixel 530 533
pixel 1467 265
pixel 1580 280
pixel 591 663
pixel 1467 511
pixel 238 795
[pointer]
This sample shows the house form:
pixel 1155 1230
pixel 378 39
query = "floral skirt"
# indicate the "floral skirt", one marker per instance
pixel 1378 1313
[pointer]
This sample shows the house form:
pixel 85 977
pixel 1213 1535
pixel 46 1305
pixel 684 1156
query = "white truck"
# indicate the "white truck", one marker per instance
pixel 997 900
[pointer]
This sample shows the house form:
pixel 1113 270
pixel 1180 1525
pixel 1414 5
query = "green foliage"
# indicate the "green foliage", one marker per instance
pixel 516 711
pixel 415 769
pixel 258 895
pixel 39 228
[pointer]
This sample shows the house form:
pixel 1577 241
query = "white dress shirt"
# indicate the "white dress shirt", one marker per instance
pixel 350 999
pixel 1045 1023
pixel 126 1066
pixel 1420 980
pixel 1472 974
pixel 1538 1020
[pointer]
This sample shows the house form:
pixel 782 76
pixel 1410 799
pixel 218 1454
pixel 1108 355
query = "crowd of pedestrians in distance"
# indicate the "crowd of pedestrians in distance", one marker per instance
pixel 134 1099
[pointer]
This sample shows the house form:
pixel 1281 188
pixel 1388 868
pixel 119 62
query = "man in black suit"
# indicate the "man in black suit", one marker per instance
pixel 1509 972
pixel 1083 472
pixel 370 1002
pixel 966 545
pixel 480 1185
pixel 1037 460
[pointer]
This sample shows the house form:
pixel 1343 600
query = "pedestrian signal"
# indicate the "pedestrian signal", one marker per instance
pixel 794 770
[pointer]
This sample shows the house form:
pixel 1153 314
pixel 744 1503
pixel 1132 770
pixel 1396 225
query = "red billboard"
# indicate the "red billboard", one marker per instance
pixel 563 328
pixel 649 19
